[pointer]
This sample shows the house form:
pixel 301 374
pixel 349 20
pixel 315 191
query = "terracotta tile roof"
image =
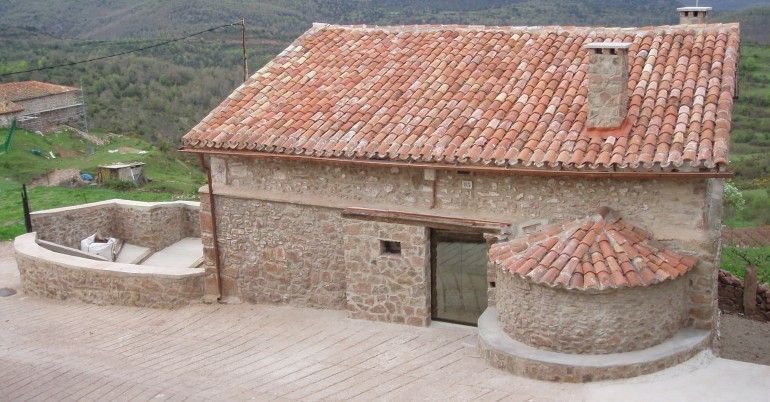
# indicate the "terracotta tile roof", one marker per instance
pixel 598 252
pixel 21 90
pixel 9 107
pixel 497 96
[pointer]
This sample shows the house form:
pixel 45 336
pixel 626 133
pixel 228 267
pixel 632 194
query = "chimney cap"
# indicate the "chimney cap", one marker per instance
pixel 683 9
pixel 608 45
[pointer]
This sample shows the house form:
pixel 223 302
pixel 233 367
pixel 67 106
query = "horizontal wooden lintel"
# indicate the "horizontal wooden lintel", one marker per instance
pixel 433 221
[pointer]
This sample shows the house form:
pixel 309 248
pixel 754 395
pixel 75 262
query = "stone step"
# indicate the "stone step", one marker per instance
pixel 506 353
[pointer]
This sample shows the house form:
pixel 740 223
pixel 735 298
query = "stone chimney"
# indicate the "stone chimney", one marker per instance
pixel 693 15
pixel 607 84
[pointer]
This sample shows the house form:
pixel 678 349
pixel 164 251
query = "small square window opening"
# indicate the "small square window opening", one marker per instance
pixel 390 247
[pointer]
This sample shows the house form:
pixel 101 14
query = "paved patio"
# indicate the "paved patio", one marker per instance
pixel 69 351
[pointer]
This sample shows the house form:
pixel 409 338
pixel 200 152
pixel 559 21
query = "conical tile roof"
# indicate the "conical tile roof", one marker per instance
pixel 598 252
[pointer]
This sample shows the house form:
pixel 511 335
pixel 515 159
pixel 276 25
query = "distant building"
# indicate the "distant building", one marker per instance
pixel 131 172
pixel 40 105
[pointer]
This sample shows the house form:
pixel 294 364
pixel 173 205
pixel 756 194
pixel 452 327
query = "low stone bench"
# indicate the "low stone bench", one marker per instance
pixel 61 276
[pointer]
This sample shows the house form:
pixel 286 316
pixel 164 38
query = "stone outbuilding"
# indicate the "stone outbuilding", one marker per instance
pixel 41 106
pixel 379 170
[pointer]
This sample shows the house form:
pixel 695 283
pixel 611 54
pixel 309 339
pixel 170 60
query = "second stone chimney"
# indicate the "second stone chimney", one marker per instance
pixel 693 15
pixel 607 84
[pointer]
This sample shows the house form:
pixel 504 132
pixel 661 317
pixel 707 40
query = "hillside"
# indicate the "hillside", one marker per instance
pixel 172 176
pixel 159 94
pixel 285 19
pixel 754 23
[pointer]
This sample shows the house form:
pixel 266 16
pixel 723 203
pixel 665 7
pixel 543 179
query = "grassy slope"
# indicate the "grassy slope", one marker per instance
pixel 172 177
pixel 760 256
pixel 750 152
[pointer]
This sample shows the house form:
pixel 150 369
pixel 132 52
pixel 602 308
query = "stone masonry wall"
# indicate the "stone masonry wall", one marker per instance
pixel 53 275
pixel 49 121
pixel 682 214
pixel 52 111
pixel 45 103
pixel 281 253
pixel 382 286
pixel 607 88
pixel 584 323
pixel 153 225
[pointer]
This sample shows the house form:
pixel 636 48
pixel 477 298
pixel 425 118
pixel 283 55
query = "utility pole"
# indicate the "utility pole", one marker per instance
pixel 243 42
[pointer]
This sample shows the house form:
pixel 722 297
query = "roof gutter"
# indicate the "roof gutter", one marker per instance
pixel 599 174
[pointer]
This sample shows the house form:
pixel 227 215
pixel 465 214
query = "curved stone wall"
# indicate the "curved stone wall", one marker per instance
pixel 60 276
pixel 581 322
pixel 148 224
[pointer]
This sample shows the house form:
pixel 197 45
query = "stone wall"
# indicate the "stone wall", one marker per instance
pixel 50 102
pixel 59 276
pixel 154 225
pixel 52 111
pixel 671 209
pixel 51 120
pixel 384 286
pixel 590 323
pixel 682 214
pixel 275 252
pixel 607 87
pixel 731 296
pixel 6 119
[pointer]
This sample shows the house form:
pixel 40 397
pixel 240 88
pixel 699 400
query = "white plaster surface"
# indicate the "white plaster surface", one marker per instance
pixel 73 351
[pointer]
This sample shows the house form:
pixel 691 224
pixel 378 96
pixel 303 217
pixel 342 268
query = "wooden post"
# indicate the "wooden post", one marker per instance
pixel 25 206
pixel 243 44
pixel 750 290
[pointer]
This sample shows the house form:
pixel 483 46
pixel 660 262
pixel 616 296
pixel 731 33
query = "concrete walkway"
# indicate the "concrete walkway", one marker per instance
pixel 70 351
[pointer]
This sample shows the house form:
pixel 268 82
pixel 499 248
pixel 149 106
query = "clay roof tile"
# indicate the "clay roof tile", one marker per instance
pixel 598 252
pixel 474 95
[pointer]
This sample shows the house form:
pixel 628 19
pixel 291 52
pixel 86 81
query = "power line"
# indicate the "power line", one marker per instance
pixel 121 53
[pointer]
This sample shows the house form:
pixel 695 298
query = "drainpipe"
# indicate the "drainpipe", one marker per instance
pixel 212 209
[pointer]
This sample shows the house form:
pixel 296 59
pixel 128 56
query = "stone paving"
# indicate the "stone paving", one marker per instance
pixel 52 350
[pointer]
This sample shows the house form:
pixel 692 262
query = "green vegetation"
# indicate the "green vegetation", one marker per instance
pixel 734 262
pixel 285 19
pixel 173 176
pixel 756 211
pixel 750 153
pixel 158 94
pixel 753 22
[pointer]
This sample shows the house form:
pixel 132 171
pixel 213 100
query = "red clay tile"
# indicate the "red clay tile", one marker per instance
pixel 362 92
pixel 597 252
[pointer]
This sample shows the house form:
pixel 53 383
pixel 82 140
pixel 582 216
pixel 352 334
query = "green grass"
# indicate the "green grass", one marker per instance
pixel 733 263
pixel 171 176
pixel 755 213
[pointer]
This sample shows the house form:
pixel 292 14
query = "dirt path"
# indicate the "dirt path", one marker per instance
pixel 745 340
pixel 57 177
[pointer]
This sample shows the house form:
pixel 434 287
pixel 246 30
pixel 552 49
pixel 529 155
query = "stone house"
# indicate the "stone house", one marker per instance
pixel 41 106
pixel 406 173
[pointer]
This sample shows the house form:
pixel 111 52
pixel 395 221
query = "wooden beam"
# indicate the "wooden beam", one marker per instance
pixel 417 219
